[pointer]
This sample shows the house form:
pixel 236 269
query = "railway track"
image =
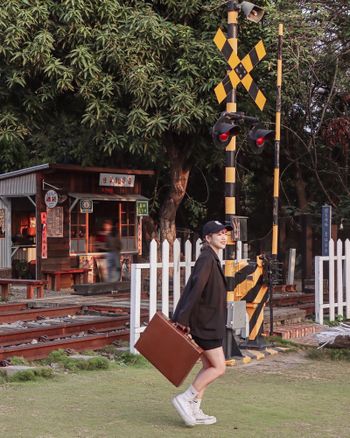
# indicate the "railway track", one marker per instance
pixel 33 333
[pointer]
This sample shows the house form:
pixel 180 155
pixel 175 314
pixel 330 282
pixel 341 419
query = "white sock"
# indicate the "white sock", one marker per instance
pixel 190 393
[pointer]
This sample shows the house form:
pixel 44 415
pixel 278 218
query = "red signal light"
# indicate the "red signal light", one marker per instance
pixel 260 141
pixel 224 136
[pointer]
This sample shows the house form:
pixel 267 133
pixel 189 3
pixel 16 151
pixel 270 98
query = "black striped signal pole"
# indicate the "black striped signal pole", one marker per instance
pixel 230 179
pixel 230 157
pixel 276 175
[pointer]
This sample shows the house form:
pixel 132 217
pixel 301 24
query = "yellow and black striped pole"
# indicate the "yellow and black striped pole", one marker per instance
pixel 230 156
pixel 276 176
pixel 230 179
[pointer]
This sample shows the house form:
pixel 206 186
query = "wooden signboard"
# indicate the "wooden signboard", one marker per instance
pixel 55 222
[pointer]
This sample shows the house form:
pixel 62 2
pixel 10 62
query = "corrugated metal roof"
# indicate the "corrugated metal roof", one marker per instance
pixel 21 185
pixel 25 171
pixel 73 168
pixel 107 197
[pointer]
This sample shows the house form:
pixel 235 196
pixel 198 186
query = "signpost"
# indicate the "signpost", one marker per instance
pixel 326 228
pixel 86 206
pixel 141 208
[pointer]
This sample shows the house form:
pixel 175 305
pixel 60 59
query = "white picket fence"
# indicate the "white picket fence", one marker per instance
pixel 334 299
pixel 161 275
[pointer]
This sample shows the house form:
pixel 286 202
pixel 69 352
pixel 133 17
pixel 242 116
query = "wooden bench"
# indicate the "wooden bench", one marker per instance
pixel 32 286
pixel 79 275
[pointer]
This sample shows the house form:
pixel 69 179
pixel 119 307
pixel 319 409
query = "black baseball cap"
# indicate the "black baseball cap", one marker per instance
pixel 214 227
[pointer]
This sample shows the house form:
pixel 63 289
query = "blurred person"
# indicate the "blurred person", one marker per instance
pixel 107 241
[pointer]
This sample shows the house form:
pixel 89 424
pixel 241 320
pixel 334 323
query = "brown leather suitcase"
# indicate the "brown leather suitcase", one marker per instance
pixel 168 348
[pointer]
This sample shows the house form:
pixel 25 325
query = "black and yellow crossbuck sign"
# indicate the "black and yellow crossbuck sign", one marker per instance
pixel 241 69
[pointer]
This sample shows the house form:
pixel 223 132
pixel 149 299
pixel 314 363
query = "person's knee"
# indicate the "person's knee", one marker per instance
pixel 220 369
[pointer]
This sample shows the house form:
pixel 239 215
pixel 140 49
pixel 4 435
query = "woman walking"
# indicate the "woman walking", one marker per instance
pixel 202 312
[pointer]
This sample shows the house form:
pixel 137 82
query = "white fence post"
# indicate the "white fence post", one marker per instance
pixel 319 289
pixel 176 272
pixel 165 278
pixel 347 277
pixel 135 306
pixel 331 281
pixel 338 284
pixel 188 259
pixel 340 297
pixel 153 279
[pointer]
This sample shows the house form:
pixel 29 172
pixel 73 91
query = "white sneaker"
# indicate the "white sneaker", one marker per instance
pixel 184 408
pixel 202 418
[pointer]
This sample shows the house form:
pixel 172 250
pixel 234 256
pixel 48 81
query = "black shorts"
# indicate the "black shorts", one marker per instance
pixel 208 344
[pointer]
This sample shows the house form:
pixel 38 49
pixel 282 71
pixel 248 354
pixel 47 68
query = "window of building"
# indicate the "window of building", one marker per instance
pixel 86 227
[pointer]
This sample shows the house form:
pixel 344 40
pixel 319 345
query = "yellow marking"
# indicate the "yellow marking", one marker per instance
pixel 262 292
pixel 274 239
pixel 255 330
pixel 238 266
pixel 229 267
pixel 247 81
pixel 230 297
pixel 230 362
pixel 219 39
pixel 232 145
pixel 280 29
pixel 278 126
pixel 279 72
pixel 260 50
pixel 232 17
pixel 260 100
pixel 247 63
pixel 231 107
pixel 276 180
pixel 234 78
pixel 246 359
pixel 220 92
pixel 233 60
pixel 230 174
pixel 230 205
pixel 257 354
pixel 245 286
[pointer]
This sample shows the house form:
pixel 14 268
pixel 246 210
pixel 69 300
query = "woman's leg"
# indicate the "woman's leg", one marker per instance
pixel 205 365
pixel 215 358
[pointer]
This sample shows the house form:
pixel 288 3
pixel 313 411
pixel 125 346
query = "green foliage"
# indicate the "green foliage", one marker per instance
pixel 129 359
pixel 16 360
pixel 66 362
pixel 329 354
pixel 27 375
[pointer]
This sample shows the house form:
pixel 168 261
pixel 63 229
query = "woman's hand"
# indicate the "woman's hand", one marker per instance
pixel 182 327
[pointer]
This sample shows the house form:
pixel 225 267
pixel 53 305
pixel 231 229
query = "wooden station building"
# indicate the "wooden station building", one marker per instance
pixel 51 214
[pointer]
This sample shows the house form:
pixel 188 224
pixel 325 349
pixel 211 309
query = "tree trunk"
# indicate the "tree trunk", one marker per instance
pixel 300 187
pixel 179 174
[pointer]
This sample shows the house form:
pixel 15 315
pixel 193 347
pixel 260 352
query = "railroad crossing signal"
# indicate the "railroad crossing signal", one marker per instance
pixel 241 69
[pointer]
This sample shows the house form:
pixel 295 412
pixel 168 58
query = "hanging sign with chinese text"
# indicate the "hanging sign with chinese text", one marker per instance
pixel 141 208
pixel 51 199
pixel 43 217
pixel 54 220
pixel 117 180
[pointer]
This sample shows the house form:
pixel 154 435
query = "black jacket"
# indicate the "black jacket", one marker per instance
pixel 202 305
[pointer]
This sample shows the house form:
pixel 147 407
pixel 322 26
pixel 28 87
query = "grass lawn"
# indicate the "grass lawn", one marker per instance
pixel 282 396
